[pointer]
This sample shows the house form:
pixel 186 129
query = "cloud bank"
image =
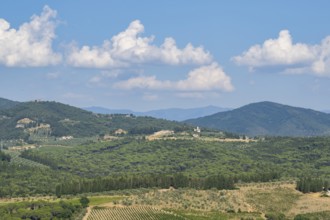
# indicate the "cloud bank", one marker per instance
pixel 128 47
pixel 31 44
pixel 205 78
pixel 291 57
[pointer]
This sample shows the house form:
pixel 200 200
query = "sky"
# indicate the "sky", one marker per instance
pixel 144 55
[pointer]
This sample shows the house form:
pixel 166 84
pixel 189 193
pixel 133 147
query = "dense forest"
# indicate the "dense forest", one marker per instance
pixel 133 163
pixel 40 210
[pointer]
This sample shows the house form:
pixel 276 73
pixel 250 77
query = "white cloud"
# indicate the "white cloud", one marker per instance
pixel 205 78
pixel 295 58
pixel 144 82
pixel 321 66
pixel 31 43
pixel 128 47
pixel 101 79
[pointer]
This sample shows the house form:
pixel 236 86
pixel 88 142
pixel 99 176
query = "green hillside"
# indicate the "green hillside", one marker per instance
pixel 290 156
pixel 117 164
pixel 267 118
pixel 6 104
pixel 57 120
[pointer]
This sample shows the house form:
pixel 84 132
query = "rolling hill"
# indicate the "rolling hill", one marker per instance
pixel 270 119
pixel 6 103
pixel 57 119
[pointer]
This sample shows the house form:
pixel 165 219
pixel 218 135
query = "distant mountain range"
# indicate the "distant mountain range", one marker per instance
pixel 268 118
pixel 173 114
pixel 19 119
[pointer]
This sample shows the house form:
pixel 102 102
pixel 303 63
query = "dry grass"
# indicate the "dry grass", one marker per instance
pixel 309 203
pixel 279 197
pixel 276 198
pixel 263 197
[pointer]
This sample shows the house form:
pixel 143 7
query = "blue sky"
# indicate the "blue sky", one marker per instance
pixel 144 55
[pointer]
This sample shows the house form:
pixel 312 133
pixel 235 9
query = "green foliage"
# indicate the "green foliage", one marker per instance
pixel 18 160
pixel 301 217
pixel 65 120
pixel 4 156
pixel 325 215
pixel 275 216
pixel 146 181
pixel 39 210
pixel 196 162
pixel 84 201
pixel 7 104
pixel 131 156
pixel 20 180
pixel 309 184
pixel 270 119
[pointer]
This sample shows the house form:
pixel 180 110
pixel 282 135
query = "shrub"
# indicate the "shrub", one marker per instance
pixel 275 216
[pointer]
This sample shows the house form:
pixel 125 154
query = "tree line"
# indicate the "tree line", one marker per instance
pixel 28 154
pixel 149 181
pixel 309 184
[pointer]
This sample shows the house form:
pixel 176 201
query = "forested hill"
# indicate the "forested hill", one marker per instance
pixel 57 119
pixel 6 104
pixel 268 118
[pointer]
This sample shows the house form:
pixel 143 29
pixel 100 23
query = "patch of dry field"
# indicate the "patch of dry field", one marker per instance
pixel 311 202
pixel 279 197
pixel 263 197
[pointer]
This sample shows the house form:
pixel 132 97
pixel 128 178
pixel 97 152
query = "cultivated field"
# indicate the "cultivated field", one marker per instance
pixel 17 160
pixel 132 213
pixel 250 201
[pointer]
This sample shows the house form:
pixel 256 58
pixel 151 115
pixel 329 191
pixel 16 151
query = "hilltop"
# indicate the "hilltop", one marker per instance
pixel 6 103
pixel 45 118
pixel 268 118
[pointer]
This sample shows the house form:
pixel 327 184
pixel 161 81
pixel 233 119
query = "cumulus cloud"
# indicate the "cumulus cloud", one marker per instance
pixel 128 47
pixel 100 78
pixel 31 43
pixel 205 78
pixel 144 82
pixel 291 57
pixel 321 65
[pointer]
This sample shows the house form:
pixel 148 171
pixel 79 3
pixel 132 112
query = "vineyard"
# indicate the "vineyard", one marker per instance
pixel 132 213
pixel 17 160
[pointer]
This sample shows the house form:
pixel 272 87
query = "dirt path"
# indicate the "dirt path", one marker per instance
pixel 89 210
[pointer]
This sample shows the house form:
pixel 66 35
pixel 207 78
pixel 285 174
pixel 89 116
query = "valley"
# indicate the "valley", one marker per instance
pixel 145 168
